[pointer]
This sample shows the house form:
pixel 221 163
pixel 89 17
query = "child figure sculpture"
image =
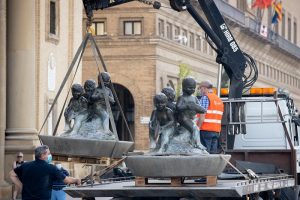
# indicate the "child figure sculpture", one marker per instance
pixel 98 99
pixel 170 93
pixel 187 107
pixel 76 110
pixel 161 125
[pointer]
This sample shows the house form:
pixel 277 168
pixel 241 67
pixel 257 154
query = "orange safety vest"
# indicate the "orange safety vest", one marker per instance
pixel 213 116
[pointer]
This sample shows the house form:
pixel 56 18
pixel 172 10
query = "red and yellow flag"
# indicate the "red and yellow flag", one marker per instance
pixel 278 12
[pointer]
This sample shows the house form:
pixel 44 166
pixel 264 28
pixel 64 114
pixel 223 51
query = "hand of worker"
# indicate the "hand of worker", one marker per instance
pixel 77 181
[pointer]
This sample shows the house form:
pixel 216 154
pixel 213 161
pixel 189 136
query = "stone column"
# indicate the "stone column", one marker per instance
pixel 21 80
pixel 5 188
pixel 21 88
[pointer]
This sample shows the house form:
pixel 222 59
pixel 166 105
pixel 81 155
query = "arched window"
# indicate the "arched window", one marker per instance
pixel 171 84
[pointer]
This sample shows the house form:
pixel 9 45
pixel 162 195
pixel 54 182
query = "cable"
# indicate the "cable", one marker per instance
pixel 250 76
pixel 211 44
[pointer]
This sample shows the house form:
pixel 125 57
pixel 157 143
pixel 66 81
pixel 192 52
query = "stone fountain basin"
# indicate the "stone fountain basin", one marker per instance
pixel 177 165
pixel 90 148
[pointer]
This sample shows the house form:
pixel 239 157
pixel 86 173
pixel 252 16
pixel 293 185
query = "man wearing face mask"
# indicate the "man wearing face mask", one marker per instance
pixel 57 192
pixel 37 176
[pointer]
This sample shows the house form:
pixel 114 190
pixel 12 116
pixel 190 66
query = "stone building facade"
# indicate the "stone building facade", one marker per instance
pixel 38 42
pixel 143 49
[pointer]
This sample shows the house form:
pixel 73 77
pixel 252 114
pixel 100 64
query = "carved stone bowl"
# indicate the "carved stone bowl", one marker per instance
pixel 86 147
pixel 177 165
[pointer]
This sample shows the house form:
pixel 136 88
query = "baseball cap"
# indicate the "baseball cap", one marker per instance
pixel 206 84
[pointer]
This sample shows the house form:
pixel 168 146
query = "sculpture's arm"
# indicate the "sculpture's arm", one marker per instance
pixel 196 107
pixel 111 96
pixel 181 105
pixel 170 115
pixel 68 109
pixel 152 122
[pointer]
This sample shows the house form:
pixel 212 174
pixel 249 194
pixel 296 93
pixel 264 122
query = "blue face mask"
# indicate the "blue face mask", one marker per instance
pixel 49 158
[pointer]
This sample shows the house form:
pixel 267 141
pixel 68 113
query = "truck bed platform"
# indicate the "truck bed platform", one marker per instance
pixel 224 188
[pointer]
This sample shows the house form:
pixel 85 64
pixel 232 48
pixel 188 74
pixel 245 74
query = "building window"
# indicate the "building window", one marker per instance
pixel 270 16
pixel 259 67
pixel 99 28
pixel 169 31
pixel 205 44
pixel 263 69
pixel 284 78
pixel 211 51
pixel 295 32
pixel 294 81
pixel 177 32
pixel 259 14
pixel 161 28
pixel 267 71
pixel 276 28
pixel 289 29
pixel 52 17
pixel 283 24
pixel 198 43
pixel 241 4
pixel 184 34
pixel 132 27
pixel 192 42
pixel 52 21
pixel 281 77
pixel 274 74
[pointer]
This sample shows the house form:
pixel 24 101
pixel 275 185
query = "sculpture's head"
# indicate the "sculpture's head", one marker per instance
pixel 105 77
pixel 160 101
pixel 77 90
pixel 169 92
pixel 89 86
pixel 188 85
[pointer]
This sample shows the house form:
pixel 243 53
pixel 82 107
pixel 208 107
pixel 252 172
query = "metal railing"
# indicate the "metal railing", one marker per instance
pixel 239 104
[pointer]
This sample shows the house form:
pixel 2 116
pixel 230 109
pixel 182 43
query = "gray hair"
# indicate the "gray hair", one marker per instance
pixel 40 150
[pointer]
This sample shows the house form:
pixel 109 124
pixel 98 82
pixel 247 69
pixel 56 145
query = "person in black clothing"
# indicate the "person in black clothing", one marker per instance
pixel 17 163
pixel 37 176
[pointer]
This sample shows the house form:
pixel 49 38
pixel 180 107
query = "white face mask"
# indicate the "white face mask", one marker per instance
pixel 58 166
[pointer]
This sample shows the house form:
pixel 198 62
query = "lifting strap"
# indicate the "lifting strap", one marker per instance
pixel 80 49
pixel 97 56
pixel 108 107
pixel 65 102
pixel 111 86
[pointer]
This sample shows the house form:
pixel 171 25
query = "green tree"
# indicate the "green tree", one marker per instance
pixel 184 71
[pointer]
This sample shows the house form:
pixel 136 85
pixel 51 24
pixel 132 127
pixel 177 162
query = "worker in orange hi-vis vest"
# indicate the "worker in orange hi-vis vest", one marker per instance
pixel 210 122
